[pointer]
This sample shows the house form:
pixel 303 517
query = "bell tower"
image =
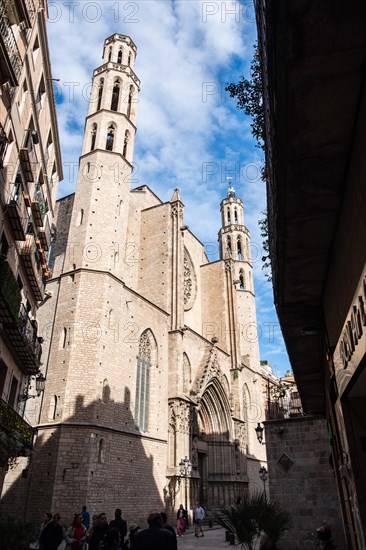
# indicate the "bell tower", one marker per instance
pixel 102 191
pixel 234 239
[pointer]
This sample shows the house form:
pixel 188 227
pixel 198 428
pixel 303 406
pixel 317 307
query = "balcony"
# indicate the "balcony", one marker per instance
pixel 22 336
pixel 38 206
pixel 3 143
pixel 31 260
pixel 17 216
pixel 16 428
pixel 10 60
pixel 9 294
pixel 28 156
pixel 44 235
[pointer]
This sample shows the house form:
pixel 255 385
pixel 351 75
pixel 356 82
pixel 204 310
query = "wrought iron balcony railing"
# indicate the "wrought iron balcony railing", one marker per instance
pixel 39 207
pixel 17 215
pixel 15 427
pixel 32 265
pixel 10 60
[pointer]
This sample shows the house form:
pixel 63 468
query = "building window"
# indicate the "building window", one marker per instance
pixel 228 245
pixel 80 217
pixel 3 374
pixel 235 216
pixel 238 245
pixel 62 341
pixel 129 59
pixel 93 137
pixel 4 246
pixel 129 107
pixel 144 360
pixel 119 57
pixel 110 54
pixel 101 451
pixel 110 138
pixel 187 373
pixel 115 96
pixel 13 391
pixel 125 143
pixel 228 216
pixel 242 280
pixel 105 391
pixel 40 95
pixel 100 94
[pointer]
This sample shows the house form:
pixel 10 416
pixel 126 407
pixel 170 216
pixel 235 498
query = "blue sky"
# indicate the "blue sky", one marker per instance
pixel 190 134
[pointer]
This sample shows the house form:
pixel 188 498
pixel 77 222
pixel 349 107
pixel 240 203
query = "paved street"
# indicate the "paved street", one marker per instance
pixel 214 539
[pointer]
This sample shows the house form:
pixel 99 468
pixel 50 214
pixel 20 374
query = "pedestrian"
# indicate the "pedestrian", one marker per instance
pixel 165 523
pixel 52 535
pixel 113 539
pixel 119 523
pixel 86 517
pixel 89 533
pixel 47 518
pixel 199 516
pixel 182 520
pixel 155 537
pixel 133 530
pixel 99 532
pixel 75 535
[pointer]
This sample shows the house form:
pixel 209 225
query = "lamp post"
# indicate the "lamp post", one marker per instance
pixel 185 466
pixel 259 431
pixel 263 474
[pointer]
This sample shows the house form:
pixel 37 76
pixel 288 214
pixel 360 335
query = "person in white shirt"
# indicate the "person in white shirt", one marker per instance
pixel 199 515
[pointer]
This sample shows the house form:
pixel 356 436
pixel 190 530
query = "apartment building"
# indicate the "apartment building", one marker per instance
pixel 30 170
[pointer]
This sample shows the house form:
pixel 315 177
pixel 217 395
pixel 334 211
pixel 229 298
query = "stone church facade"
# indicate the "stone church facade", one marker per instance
pixel 148 347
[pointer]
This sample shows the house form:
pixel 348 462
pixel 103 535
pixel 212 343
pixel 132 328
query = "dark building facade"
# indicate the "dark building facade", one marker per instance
pixel 313 56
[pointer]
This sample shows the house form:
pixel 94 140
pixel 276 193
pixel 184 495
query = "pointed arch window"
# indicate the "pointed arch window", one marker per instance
pixel 242 280
pixel 110 54
pixel 110 138
pixel 228 245
pixel 62 341
pixel 235 216
pixel 239 250
pixel 147 349
pixel 125 143
pixel 115 96
pixel 100 94
pixel 228 216
pixel 93 137
pixel 129 107
pixel 119 56
pixel 187 376
pixel 105 391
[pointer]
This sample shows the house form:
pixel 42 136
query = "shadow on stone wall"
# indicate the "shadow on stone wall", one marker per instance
pixel 95 457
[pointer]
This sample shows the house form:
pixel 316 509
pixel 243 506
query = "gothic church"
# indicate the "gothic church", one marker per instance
pixel 146 349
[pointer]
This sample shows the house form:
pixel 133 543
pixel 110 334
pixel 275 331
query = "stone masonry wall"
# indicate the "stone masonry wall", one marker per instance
pixel 302 480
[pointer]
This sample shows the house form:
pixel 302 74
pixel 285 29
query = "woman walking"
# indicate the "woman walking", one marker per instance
pixel 182 518
pixel 75 535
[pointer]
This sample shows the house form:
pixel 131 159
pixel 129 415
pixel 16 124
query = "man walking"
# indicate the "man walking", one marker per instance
pixel 119 523
pixel 155 537
pixel 199 516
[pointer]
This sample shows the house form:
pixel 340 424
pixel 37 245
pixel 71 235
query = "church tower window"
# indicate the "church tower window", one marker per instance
pixel 125 144
pixel 228 216
pixel 93 137
pixel 110 54
pixel 129 59
pixel 235 216
pixel 100 94
pixel 242 280
pixel 238 245
pixel 110 138
pixel 129 102
pixel 228 244
pixel 119 56
pixel 115 96
pixel 101 451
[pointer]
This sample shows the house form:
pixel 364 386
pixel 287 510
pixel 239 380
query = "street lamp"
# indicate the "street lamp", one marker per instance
pixel 40 385
pixel 185 467
pixel 259 431
pixel 263 474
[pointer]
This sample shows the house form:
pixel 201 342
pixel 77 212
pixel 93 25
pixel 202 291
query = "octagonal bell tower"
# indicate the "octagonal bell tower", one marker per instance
pixel 99 222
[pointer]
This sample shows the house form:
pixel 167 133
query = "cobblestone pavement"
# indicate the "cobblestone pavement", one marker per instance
pixel 214 539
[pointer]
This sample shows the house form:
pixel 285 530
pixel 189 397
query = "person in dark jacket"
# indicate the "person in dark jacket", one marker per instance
pixel 155 537
pixel 119 523
pixel 99 532
pixel 165 523
pixel 52 535
pixel 113 539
